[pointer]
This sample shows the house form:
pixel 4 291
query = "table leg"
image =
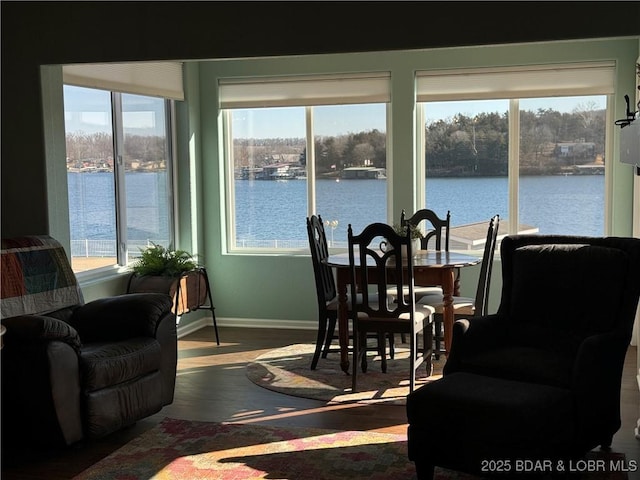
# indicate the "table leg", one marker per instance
pixel 456 284
pixel 343 318
pixel 448 282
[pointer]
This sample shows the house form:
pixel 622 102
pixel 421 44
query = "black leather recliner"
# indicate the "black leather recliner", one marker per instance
pixel 539 381
pixel 81 370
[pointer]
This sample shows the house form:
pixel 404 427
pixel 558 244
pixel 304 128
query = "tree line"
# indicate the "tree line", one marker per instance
pixel 462 145
pixel 96 149
pixel 549 141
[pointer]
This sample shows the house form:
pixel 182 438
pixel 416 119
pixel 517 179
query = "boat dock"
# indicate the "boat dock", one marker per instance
pixel 472 236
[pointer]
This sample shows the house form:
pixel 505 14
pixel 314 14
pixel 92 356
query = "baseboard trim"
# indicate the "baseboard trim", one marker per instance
pixel 244 323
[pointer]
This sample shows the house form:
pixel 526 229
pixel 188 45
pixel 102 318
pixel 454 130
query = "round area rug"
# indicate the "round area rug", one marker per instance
pixel 287 370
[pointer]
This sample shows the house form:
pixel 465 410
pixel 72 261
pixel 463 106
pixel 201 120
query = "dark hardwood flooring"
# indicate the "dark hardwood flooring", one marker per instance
pixel 212 386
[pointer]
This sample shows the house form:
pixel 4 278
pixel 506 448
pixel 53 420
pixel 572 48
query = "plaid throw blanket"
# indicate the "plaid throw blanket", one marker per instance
pixel 36 277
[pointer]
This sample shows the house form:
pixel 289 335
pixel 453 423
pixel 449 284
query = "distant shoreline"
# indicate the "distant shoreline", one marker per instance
pixel 529 172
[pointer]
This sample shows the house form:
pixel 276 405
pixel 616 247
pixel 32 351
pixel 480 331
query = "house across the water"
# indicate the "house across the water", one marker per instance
pixel 365 173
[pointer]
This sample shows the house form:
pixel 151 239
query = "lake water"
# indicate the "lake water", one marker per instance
pixel 92 214
pixel 553 204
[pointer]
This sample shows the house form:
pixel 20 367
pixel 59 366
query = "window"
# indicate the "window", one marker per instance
pixel 268 167
pixel 562 165
pixel 302 146
pixel 518 145
pixel 350 167
pixel 466 148
pixel 119 175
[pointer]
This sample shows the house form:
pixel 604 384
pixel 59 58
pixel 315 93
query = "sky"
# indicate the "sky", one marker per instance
pixel 290 122
pixel 88 110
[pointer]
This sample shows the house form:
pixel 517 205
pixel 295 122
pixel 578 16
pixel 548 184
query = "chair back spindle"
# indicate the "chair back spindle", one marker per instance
pixel 439 227
pixel 325 282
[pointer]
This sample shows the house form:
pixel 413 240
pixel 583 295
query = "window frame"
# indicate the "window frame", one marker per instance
pixel 315 91
pixel 117 131
pixel 513 164
pixel 480 79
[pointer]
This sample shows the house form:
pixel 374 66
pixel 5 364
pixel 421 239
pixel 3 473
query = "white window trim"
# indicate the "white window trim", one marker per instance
pixel 230 188
pixel 88 277
pixel 311 158
pixel 513 168
pixel 306 91
pixel 514 83
pixel 513 163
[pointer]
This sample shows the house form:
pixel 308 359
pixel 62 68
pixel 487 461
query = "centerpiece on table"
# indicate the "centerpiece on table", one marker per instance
pixel 175 272
pixel 416 235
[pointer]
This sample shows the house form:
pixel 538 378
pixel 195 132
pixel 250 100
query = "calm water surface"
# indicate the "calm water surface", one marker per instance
pixel 277 210
pixel 553 204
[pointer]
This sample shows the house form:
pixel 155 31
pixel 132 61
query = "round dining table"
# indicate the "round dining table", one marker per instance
pixel 430 267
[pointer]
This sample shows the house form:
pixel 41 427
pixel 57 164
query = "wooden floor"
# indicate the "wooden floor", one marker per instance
pixel 212 386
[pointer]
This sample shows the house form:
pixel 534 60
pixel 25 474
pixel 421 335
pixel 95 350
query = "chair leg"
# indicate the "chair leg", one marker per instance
pixel 427 345
pixel 322 331
pixel 331 330
pixel 382 350
pixel 424 470
pixel 359 346
pixel 428 365
pixel 414 352
pixel 437 336
pixel 392 347
pixel 362 354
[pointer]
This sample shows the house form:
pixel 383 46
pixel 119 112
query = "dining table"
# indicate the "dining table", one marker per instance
pixel 430 268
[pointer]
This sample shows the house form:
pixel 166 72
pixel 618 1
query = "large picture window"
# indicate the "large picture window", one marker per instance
pixel 119 175
pixel 305 146
pixel 519 146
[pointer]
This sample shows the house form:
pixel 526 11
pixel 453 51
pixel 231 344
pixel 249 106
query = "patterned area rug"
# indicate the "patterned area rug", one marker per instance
pixel 287 370
pixel 190 450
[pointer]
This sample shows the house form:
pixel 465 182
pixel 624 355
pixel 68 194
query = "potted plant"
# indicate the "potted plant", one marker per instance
pixel 167 270
pixel 416 235
pixel 163 261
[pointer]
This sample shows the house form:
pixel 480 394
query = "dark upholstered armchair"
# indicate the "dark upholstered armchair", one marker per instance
pixel 71 370
pixel 541 378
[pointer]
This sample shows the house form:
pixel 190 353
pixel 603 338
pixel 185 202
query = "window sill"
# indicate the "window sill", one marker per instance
pixel 100 275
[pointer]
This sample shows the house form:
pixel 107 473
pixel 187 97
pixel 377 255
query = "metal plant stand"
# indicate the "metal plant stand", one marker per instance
pixel 190 291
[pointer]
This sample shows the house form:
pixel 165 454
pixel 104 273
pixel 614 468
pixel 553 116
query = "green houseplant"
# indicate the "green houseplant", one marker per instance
pixel 172 271
pixel 416 234
pixel 163 261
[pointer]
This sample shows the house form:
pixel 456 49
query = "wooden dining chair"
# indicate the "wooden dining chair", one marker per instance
pixel 325 288
pixel 465 307
pixel 436 233
pixel 437 228
pixel 375 271
pixel 326 293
